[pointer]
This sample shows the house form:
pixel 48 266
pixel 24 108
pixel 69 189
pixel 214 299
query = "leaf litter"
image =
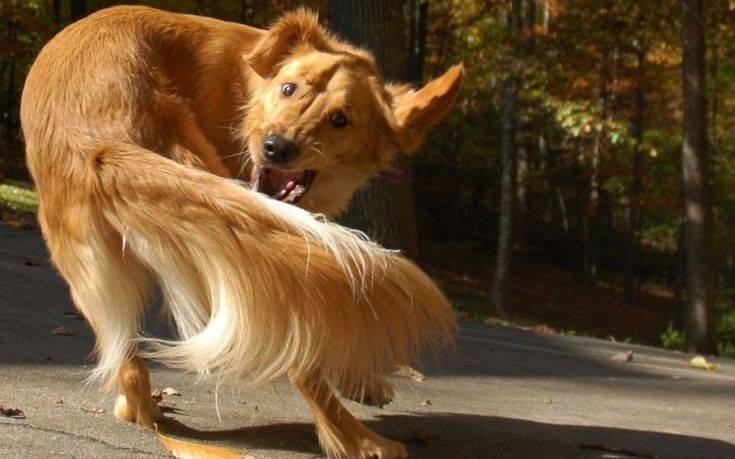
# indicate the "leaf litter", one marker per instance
pixel 13 413
pixel 702 364
pixel 404 371
pixel 63 331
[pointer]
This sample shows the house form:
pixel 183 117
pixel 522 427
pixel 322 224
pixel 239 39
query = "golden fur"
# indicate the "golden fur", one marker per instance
pixel 135 118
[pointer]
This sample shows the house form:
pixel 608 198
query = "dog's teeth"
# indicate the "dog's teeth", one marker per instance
pixel 290 185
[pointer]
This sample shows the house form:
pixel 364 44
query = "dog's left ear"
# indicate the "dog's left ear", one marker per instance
pixel 300 27
pixel 416 111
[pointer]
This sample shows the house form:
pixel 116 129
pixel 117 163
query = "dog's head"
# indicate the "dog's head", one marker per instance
pixel 321 119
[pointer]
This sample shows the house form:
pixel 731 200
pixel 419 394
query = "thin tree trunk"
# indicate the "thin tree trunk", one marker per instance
pixel 678 308
pixel 634 192
pixel 77 9
pixel 418 14
pixel 385 211
pixel 56 8
pixel 243 11
pixel 10 97
pixel 562 210
pixel 525 151
pixel 714 97
pixel 545 14
pixel 504 255
pixel 697 187
pixel 598 147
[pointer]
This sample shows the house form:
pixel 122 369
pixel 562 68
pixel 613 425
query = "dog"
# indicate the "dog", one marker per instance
pixel 140 128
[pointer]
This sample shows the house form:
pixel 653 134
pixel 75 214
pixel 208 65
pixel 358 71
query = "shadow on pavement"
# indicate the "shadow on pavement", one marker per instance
pixel 450 435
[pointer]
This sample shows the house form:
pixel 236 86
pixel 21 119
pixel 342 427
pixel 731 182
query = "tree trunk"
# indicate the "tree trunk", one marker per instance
pixel 243 11
pixel 56 8
pixel 10 97
pixel 418 14
pixel 714 96
pixel 697 187
pixel 525 149
pixel 385 211
pixel 599 146
pixel 504 255
pixel 633 230
pixel 77 9
pixel 678 309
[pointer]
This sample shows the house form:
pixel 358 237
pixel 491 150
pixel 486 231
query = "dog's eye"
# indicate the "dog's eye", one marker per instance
pixel 338 120
pixel 288 89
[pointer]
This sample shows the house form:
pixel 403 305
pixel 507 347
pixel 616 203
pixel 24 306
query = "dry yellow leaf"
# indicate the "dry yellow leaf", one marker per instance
pixel 404 371
pixel 171 391
pixel 702 363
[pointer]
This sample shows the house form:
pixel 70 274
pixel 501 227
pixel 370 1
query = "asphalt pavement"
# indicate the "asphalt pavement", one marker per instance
pixel 502 393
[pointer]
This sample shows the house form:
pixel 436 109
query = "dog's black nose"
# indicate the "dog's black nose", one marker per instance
pixel 279 150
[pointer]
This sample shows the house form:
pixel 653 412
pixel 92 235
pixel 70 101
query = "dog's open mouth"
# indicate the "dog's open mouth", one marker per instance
pixel 283 185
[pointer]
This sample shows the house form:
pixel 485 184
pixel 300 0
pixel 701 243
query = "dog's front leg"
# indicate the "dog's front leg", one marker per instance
pixel 340 434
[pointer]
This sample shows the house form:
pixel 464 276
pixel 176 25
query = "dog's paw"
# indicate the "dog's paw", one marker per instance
pixel 381 448
pixel 144 412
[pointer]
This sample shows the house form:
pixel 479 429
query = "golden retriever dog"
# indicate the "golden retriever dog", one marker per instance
pixel 141 126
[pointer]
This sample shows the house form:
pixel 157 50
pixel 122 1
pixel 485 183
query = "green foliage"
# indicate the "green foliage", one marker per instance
pixel 726 333
pixel 673 339
pixel 18 196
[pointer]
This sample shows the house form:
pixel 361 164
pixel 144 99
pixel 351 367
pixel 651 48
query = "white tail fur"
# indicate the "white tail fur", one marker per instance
pixel 259 288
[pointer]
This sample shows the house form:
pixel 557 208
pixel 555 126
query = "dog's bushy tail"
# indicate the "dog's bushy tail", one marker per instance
pixel 260 288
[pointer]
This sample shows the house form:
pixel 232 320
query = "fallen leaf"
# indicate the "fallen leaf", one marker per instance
pixel 426 402
pixel 543 328
pixel 14 223
pixel 63 331
pixel 157 395
pixel 548 401
pixel 617 451
pixel 623 357
pixel 14 413
pixel 73 315
pixel 404 371
pixel 702 363
pixel 422 436
pixel 171 391
pixel 188 450
pixel 93 410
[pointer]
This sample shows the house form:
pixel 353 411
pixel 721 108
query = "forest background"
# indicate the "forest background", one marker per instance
pixel 556 194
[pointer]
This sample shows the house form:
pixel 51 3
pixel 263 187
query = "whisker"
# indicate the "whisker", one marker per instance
pixel 317 147
pixel 244 164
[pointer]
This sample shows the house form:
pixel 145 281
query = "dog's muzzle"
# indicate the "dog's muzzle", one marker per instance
pixel 279 150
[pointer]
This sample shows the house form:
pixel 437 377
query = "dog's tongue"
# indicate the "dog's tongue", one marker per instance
pixel 393 175
pixel 280 184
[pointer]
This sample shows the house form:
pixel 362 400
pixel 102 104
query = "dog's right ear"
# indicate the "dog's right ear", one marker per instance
pixel 300 27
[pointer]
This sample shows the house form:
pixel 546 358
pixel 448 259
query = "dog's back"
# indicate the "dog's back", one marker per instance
pixel 140 75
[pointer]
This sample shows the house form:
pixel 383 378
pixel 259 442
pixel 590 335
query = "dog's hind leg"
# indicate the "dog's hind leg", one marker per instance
pixel 135 403
pixel 110 286
pixel 340 434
